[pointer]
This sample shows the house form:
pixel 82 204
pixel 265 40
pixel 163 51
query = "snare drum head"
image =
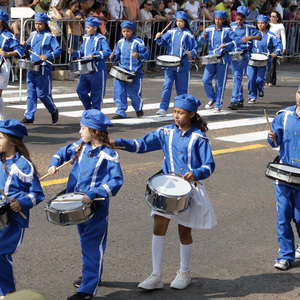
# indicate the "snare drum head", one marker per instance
pixel 120 69
pixel 168 58
pixel 285 168
pixel 170 185
pixel 58 203
pixel 259 56
pixel 235 52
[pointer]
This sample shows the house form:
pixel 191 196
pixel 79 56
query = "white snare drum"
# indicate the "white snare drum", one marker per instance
pixel 122 74
pixel 168 194
pixel 67 209
pixel 258 60
pixel 168 61
pixel 210 59
pixel 236 55
pixel 5 216
pixel 82 66
pixel 29 65
pixel 284 173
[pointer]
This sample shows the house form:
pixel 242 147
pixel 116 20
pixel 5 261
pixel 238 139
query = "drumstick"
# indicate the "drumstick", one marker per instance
pixel 204 22
pixel 29 39
pixel 296 159
pixel 164 30
pixel 64 164
pixel 182 48
pixel 113 51
pixel 39 56
pixel 220 45
pixel 269 125
pixel 90 57
pixel 20 212
pixel 68 200
pixel 270 54
pixel 70 46
pixel 182 176
pixel 4 58
pixel 131 49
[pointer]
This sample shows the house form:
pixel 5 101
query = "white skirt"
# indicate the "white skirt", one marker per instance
pixel 200 213
pixel 4 74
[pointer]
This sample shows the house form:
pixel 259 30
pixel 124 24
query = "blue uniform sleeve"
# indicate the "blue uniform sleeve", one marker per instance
pixel 143 52
pixel 55 47
pixel 201 39
pixel 103 49
pixel 164 40
pixel 232 40
pixel 117 52
pixel 14 45
pixel 207 161
pixel 277 127
pixel 193 47
pixel 277 44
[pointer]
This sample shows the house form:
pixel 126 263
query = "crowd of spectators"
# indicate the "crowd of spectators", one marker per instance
pixel 68 17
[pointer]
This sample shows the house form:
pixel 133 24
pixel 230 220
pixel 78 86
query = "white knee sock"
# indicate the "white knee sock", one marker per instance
pixel 2 108
pixel 185 257
pixel 158 244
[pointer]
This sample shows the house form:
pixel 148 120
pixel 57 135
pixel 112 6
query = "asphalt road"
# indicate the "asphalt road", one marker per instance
pixel 233 260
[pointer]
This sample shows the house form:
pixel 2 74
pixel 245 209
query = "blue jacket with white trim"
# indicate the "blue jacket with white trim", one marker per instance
pixel 8 43
pixel 188 152
pixel 96 45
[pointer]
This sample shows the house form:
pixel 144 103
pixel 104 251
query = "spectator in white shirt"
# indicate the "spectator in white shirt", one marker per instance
pixel 192 7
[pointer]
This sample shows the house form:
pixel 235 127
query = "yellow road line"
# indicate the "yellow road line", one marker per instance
pixel 215 152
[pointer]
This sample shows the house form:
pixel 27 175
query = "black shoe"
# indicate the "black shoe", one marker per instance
pixel 116 116
pixel 261 94
pixel 54 117
pixel 77 282
pixel 81 296
pixel 241 104
pixel 233 105
pixel 139 113
pixel 26 121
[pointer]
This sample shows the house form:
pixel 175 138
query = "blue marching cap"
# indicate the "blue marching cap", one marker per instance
pixel 221 14
pixel 13 127
pixel 42 17
pixel 187 102
pixel 4 16
pixel 95 119
pixel 243 10
pixel 182 15
pixel 93 22
pixel 263 18
pixel 128 24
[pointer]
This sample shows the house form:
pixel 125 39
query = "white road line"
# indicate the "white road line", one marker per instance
pixel 245 137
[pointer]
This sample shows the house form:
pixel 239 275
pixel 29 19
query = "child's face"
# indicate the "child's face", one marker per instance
pixel 5 145
pixel 85 134
pixel 219 22
pixel 262 26
pixel 90 14
pixel 39 26
pixel 182 117
pixel 90 30
pixel 240 20
pixel 127 33
pixel 180 23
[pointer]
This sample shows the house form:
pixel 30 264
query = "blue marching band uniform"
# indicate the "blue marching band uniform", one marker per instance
pixel 286 127
pixel 239 67
pixel 40 83
pixel 95 82
pixel 217 37
pixel 176 40
pixel 123 54
pixel 270 43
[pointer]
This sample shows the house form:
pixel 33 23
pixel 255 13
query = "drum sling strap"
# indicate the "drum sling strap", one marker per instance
pixel 5 208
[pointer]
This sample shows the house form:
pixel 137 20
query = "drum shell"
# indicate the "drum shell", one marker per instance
pixel 71 216
pixel 82 66
pixel 28 65
pixel 171 205
pixel 236 55
pixel 258 63
pixel 283 176
pixel 168 64
pixel 120 75
pixel 210 59
pixel 5 219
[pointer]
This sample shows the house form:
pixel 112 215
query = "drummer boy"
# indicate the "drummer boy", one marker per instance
pixel 131 53
pixel 91 87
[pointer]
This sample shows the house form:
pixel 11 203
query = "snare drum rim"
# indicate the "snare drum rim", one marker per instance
pixel 168 195
pixel 272 167
pixel 122 70
pixel 170 62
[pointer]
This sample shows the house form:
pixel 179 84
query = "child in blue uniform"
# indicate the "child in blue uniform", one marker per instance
pixel 20 183
pixel 270 44
pixel 9 47
pixel 44 44
pixel 221 38
pixel 246 32
pixel 94 47
pixel 186 151
pixel 97 173
pixel 131 53
pixel 176 39
pixel 285 132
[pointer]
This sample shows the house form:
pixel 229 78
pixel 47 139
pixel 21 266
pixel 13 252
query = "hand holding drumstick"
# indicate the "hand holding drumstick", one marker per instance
pixel 188 176
pixel 272 135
